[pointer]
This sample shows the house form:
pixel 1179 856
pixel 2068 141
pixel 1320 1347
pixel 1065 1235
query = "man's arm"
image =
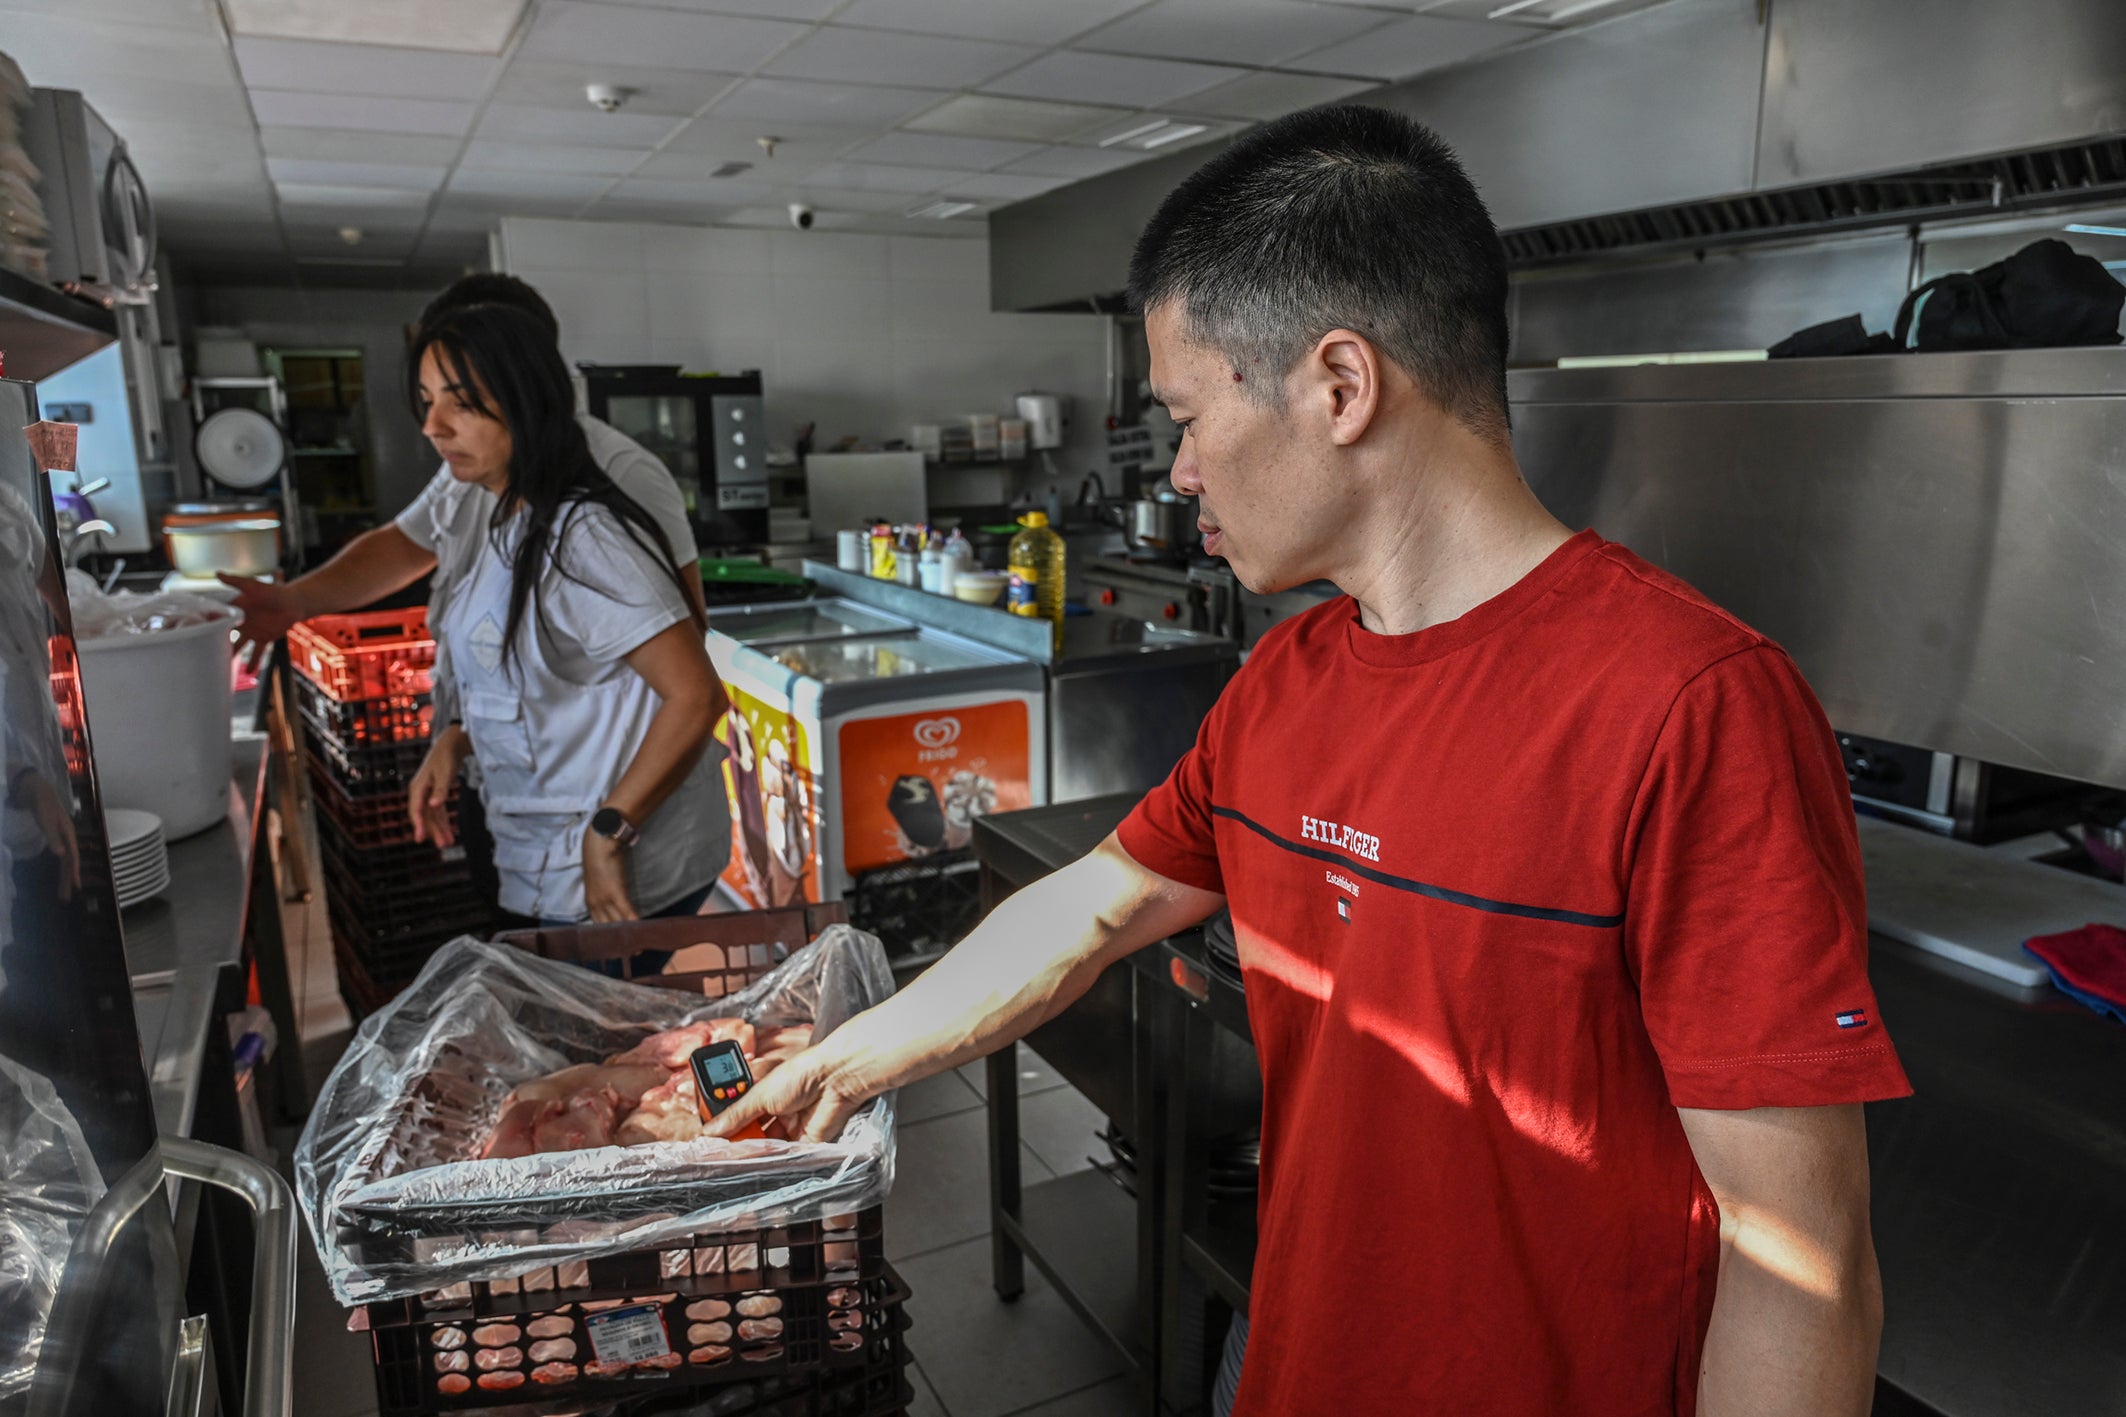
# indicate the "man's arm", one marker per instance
pixel 1797 1319
pixel 373 565
pixel 1028 961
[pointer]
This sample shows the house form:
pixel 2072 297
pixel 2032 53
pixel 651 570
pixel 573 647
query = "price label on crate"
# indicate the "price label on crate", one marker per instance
pixel 629 1335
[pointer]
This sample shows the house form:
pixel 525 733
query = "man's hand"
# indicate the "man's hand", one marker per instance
pixel 1797 1319
pixel 605 879
pixel 428 795
pixel 1028 961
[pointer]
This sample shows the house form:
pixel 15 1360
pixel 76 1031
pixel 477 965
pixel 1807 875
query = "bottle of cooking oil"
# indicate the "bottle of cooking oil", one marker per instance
pixel 1036 562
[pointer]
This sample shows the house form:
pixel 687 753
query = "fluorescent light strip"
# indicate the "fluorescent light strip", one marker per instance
pixel 1178 132
pixel 941 211
pixel 2082 230
pixel 1513 9
pixel 1139 131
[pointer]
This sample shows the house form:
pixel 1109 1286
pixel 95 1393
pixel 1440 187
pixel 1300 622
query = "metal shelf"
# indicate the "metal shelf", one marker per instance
pixel 1080 1231
pixel 43 330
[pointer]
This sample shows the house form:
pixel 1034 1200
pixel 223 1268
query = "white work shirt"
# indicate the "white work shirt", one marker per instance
pixel 450 519
pixel 555 727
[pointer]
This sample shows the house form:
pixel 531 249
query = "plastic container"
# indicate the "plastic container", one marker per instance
pixel 1035 562
pixel 978 587
pixel 376 655
pixel 159 704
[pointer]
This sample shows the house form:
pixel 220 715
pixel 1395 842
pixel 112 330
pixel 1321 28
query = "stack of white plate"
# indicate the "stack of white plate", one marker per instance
pixel 140 858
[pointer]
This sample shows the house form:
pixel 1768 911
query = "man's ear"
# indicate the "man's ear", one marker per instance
pixel 1344 371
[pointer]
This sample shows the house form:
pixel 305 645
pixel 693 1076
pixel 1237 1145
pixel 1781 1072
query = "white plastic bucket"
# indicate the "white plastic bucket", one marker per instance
pixel 159 706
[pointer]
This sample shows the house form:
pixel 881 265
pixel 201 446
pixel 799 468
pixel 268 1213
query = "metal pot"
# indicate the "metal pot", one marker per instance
pixel 249 547
pixel 1165 521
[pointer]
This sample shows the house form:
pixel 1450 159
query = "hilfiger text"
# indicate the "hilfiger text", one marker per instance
pixel 1340 836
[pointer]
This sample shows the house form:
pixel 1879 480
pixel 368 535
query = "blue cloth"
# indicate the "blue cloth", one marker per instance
pixel 644 961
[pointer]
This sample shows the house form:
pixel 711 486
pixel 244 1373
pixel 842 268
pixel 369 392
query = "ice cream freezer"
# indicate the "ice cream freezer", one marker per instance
pixel 858 740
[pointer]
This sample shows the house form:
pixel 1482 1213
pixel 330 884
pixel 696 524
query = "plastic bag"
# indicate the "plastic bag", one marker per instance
pixel 396 1208
pixel 126 612
pixel 48 1182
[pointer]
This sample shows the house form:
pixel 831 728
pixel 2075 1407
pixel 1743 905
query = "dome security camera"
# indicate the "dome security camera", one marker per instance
pixel 802 216
pixel 606 98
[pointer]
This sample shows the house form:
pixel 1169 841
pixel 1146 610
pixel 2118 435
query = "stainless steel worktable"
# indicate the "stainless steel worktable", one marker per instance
pixel 179 944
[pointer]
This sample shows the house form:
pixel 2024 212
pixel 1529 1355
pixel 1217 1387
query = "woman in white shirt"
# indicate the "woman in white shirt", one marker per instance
pixel 583 687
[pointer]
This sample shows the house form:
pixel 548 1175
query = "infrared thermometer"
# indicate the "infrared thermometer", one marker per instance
pixel 721 1077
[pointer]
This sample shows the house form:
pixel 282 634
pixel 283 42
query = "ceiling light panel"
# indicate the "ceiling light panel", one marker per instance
pixel 1269 94
pixel 983 115
pixel 1230 31
pixel 362 69
pixel 840 55
pixel 939 150
pixel 559 83
pixel 1545 13
pixel 312 194
pixel 376 115
pixel 1112 78
pixel 944 210
pixel 1040 22
pixel 466 26
pixel 1413 46
pixel 577 30
pixel 585 126
pixel 839 105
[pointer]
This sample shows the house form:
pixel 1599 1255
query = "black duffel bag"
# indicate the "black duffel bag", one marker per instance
pixel 2045 295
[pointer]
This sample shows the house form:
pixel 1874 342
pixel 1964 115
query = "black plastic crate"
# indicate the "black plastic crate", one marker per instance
pixel 405 860
pixel 396 947
pixel 439 913
pixel 365 723
pixel 386 768
pixel 848 1329
pixel 371 820
pixel 919 907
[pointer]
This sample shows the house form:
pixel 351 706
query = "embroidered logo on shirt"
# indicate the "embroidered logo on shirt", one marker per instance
pixel 486 641
pixel 1343 909
pixel 1336 834
pixel 1853 1018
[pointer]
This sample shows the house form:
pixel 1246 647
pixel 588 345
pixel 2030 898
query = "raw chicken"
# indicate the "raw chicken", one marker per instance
pixel 498 1382
pixel 668 1113
pixel 548 1350
pixel 672 1048
pixel 711 1353
pixel 759 1306
pixel 489 1359
pixel 715 1331
pixel 496 1335
pixel 452 1362
pixel 586 1119
pixel 552 1373
pixel 451 1384
pixel 708 1309
pixel 605 1370
pixel 552 1326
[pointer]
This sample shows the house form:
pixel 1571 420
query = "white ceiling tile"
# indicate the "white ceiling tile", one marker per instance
pixel 842 199
pixel 470 26
pixel 841 55
pixel 353 174
pixel 1412 46
pixel 675 39
pixel 1112 78
pixel 1076 162
pixel 362 69
pixel 1272 95
pixel 337 144
pixel 771 9
pixel 843 105
pixel 938 150
pixel 98 56
pixel 1004 186
pixel 984 115
pixel 318 194
pixel 560 83
pixel 1230 31
pixel 715 193
pixel 549 157
pixel 1019 21
pixel 490 182
pixel 380 115
pixel 586 126
pixel 881 179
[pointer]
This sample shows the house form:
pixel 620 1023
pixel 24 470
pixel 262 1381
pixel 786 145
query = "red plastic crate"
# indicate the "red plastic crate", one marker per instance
pixel 375 655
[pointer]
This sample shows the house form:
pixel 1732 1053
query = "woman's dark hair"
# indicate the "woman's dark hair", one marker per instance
pixel 504 365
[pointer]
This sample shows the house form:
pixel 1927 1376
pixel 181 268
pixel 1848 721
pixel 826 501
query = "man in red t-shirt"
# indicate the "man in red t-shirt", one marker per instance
pixel 1542 868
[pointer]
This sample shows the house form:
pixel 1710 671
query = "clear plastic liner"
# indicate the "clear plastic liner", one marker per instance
pixel 98 616
pixel 48 1182
pixel 388 1171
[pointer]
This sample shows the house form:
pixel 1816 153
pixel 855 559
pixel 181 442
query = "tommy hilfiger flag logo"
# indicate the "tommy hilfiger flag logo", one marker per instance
pixel 1853 1018
pixel 1343 910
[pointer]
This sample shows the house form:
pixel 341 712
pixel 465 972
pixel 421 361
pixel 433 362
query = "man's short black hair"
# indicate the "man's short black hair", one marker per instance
pixel 1341 217
pixel 493 288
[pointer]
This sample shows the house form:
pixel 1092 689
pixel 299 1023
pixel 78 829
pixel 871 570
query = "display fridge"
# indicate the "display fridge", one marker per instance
pixel 858 742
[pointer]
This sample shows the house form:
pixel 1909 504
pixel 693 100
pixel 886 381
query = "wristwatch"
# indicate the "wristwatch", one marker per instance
pixel 608 823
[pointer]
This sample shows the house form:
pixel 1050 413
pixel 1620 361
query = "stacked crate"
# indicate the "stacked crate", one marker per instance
pixel 363 690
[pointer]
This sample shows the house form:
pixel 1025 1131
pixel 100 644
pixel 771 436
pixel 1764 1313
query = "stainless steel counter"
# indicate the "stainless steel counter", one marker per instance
pixel 179 944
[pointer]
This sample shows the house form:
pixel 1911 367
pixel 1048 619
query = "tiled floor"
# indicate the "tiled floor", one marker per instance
pixel 976 1356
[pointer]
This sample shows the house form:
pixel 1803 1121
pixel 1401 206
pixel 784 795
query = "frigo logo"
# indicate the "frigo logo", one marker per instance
pixel 937 732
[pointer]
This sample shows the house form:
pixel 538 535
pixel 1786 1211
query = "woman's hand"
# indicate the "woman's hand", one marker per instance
pixel 428 795
pixel 605 879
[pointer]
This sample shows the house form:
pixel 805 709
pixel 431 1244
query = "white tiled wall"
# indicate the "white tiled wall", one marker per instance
pixel 863 335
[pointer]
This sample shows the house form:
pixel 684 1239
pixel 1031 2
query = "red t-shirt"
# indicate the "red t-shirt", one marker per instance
pixel 1508 892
